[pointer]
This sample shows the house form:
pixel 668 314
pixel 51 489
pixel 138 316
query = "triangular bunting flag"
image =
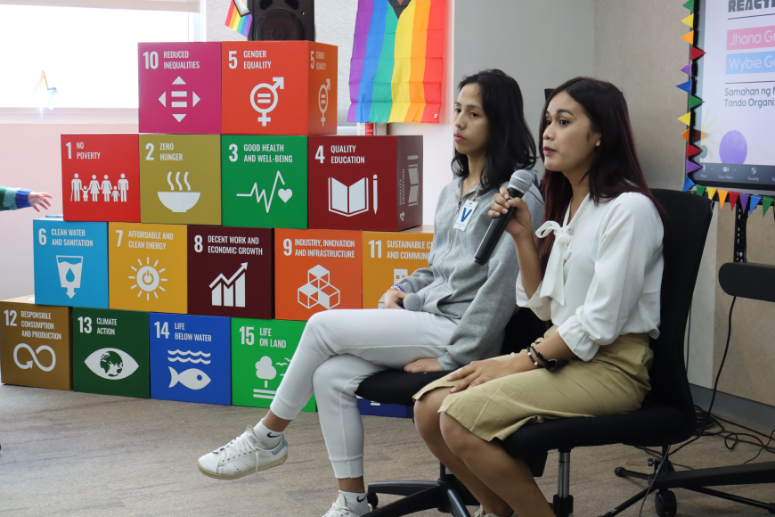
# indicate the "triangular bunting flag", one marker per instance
pixel 687 86
pixel 686 119
pixel 688 184
pixel 688 69
pixel 696 53
pixel 733 200
pixel 691 150
pixel 766 202
pixel 694 138
pixel 689 20
pixel 688 38
pixel 754 203
pixel 711 193
pixel 689 5
pixel 700 190
pixel 691 166
pixel 694 101
pixel 722 196
pixel 744 201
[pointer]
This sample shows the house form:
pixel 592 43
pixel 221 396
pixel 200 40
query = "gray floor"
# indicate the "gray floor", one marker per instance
pixel 67 453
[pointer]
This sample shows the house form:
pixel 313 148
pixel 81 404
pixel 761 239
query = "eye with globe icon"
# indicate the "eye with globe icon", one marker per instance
pixel 111 363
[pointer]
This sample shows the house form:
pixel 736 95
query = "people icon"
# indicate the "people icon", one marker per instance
pixel 94 188
pixel 107 188
pixel 123 186
pixel 115 194
pixel 75 188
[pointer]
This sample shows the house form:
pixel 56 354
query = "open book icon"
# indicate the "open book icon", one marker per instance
pixel 352 200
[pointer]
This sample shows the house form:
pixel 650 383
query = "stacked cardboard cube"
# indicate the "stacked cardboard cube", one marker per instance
pixel 190 256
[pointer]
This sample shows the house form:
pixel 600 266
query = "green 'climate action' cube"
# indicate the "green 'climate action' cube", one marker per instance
pixel 264 181
pixel 261 351
pixel 111 352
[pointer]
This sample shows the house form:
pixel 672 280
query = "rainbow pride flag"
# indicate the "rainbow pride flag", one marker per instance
pixel 236 21
pixel 44 92
pixel 397 64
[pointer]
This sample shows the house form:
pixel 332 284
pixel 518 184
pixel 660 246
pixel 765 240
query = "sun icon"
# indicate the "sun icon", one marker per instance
pixel 148 278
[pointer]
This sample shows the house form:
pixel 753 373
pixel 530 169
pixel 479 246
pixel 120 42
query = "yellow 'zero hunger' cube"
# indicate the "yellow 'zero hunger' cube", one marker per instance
pixel 148 267
pixel 390 256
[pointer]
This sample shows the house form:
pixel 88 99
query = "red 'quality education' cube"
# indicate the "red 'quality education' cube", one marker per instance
pixel 367 183
pixel 101 178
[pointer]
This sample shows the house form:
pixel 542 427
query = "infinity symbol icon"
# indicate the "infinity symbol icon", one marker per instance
pixel 28 364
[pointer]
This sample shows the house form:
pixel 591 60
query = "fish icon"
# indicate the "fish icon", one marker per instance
pixel 192 378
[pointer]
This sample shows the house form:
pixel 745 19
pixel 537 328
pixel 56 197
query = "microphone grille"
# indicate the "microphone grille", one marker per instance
pixel 521 180
pixel 412 302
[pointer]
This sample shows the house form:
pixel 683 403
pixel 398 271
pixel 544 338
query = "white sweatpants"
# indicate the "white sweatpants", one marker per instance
pixel 338 350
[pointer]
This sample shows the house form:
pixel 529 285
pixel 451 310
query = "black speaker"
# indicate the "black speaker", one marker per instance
pixel 282 20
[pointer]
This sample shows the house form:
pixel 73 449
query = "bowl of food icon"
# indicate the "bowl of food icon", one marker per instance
pixel 179 201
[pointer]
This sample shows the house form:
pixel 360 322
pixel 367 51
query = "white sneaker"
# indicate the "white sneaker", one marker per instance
pixel 480 513
pixel 340 509
pixel 242 456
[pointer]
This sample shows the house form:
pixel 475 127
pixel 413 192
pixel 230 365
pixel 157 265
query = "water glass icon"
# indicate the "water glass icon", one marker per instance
pixel 70 273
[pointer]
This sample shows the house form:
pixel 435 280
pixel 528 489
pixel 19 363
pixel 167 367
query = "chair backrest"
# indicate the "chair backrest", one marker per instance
pixel 686 227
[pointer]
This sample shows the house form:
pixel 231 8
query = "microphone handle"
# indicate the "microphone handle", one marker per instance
pixel 494 232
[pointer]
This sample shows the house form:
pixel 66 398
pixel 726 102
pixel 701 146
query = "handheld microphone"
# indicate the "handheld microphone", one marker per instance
pixel 412 302
pixel 519 184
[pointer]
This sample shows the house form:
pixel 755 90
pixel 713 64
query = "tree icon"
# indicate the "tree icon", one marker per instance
pixel 265 371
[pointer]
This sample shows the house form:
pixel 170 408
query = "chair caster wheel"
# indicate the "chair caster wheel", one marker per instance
pixel 619 471
pixel 373 500
pixel 665 503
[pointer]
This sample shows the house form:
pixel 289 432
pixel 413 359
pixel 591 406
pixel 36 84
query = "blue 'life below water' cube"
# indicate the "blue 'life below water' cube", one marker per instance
pixel 191 358
pixel 71 263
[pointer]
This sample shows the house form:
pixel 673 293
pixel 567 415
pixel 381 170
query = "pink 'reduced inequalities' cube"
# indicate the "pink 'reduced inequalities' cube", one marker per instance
pixel 180 87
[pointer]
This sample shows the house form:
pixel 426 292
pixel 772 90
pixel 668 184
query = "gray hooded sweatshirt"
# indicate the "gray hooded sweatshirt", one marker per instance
pixel 480 299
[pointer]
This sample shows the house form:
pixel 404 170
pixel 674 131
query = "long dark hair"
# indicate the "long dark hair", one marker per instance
pixel 615 167
pixel 510 145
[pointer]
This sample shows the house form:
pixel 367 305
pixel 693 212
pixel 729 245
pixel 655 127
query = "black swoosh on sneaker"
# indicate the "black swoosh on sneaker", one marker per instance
pixel 269 435
pixel 360 500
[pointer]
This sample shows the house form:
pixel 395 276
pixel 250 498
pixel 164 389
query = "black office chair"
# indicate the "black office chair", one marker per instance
pixel 667 416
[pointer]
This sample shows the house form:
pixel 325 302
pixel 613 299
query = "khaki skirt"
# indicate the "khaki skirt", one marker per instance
pixel 615 381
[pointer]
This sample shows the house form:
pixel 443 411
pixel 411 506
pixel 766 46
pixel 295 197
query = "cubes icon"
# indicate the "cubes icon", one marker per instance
pixel 101 178
pixel 318 290
pixel 71 263
pixel 316 271
pixel 110 352
pixel 372 184
pixel 35 344
pixel 279 88
pixel 261 351
pixel 180 87
pixel 180 179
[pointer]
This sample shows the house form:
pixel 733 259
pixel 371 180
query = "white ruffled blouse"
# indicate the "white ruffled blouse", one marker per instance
pixel 604 273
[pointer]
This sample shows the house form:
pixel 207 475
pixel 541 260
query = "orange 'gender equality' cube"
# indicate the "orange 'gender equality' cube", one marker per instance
pixel 279 88
pixel 316 271
pixel 364 183
pixel 101 178
pixel 390 256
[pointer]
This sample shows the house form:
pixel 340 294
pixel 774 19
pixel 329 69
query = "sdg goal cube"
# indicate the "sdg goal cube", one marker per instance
pixel 35 344
pixel 316 271
pixel 279 88
pixel 180 87
pixel 261 351
pixel 110 352
pixel 372 183
pixel 101 178
pixel 71 263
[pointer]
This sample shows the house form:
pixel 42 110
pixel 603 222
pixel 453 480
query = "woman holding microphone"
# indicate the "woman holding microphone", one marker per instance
pixel 595 272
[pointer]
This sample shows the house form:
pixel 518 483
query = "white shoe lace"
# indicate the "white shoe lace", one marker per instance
pixel 239 445
pixel 339 511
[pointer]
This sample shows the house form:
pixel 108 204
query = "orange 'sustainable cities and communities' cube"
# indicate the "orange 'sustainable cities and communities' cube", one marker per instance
pixel 316 270
pixel 101 178
pixel 390 256
pixel 364 183
pixel 279 88
pixel 35 344
pixel 148 267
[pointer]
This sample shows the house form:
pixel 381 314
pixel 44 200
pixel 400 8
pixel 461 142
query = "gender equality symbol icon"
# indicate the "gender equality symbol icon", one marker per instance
pixel 265 102
pixel 323 93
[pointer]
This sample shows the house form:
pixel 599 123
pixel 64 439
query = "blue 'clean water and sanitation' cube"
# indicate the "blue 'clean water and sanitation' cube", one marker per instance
pixel 71 263
pixel 191 358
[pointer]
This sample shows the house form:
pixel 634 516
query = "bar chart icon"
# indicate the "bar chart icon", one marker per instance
pixel 230 292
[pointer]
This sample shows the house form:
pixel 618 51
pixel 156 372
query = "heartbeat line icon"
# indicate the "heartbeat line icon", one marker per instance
pixel 284 194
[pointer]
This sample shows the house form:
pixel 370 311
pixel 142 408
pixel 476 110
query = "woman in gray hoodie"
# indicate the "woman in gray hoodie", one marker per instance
pixel 461 308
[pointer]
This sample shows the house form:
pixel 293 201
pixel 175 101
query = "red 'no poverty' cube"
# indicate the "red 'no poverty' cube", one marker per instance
pixel 369 182
pixel 180 87
pixel 101 178
pixel 230 272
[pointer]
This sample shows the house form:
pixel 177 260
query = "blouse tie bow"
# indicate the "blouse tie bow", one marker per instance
pixel 554 277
